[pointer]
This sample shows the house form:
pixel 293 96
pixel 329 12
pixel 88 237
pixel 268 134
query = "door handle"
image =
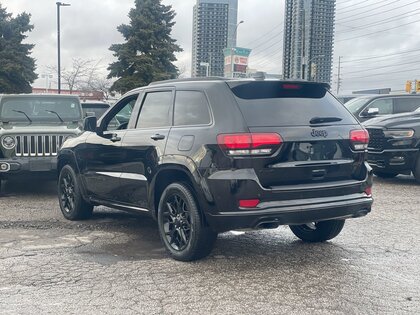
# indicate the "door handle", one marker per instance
pixel 158 137
pixel 115 138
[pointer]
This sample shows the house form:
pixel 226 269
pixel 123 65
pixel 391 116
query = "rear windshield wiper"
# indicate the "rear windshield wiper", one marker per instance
pixel 321 120
pixel 22 112
pixel 55 113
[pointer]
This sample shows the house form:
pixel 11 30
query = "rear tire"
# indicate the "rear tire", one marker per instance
pixel 181 225
pixel 72 204
pixel 416 170
pixel 318 231
pixel 385 175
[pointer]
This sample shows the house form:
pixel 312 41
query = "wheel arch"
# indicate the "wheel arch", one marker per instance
pixel 170 173
pixel 67 157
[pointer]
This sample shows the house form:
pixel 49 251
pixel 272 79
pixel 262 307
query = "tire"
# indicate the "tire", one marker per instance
pixel 72 204
pixel 181 225
pixel 385 175
pixel 318 231
pixel 416 170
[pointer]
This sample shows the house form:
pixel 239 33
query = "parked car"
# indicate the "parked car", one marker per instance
pixel 96 109
pixel 395 144
pixel 204 156
pixel 32 130
pixel 348 97
pixel 367 107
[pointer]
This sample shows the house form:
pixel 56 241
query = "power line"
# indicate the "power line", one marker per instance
pixel 381 56
pixel 377 32
pixel 369 5
pixel 261 47
pixel 385 21
pixel 351 5
pixel 388 66
pixel 384 73
pixel 250 44
pixel 359 18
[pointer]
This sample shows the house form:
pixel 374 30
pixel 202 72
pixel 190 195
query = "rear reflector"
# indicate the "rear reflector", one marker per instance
pixel 249 203
pixel 249 143
pixel 368 191
pixel 359 139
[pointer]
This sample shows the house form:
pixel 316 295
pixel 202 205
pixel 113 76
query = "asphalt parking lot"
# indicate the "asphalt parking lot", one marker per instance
pixel 115 264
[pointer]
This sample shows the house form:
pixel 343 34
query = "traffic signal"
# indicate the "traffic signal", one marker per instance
pixel 417 86
pixel 408 86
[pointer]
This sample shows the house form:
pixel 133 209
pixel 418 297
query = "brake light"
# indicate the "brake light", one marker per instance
pixel 292 86
pixel 240 144
pixel 359 139
pixel 249 203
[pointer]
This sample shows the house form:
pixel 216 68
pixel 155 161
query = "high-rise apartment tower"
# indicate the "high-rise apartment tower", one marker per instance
pixel 308 39
pixel 214 29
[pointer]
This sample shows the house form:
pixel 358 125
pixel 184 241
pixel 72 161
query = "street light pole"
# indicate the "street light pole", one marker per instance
pixel 59 4
pixel 232 49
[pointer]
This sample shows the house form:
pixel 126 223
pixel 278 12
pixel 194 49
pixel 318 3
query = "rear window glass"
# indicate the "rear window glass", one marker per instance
pixel 287 104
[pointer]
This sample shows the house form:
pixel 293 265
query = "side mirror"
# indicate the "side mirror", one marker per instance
pixel 90 114
pixel 370 112
pixel 89 123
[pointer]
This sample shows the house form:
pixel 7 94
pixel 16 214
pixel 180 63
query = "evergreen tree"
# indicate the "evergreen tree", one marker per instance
pixel 17 68
pixel 149 51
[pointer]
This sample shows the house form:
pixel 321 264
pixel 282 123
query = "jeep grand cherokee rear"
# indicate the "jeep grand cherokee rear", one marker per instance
pixel 300 161
pixel 204 156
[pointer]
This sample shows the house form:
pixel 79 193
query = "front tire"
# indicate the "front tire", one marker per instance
pixel 181 225
pixel 318 231
pixel 72 204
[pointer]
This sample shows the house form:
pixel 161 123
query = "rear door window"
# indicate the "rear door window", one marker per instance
pixel 406 104
pixel 384 105
pixel 278 103
pixel 191 108
pixel 156 110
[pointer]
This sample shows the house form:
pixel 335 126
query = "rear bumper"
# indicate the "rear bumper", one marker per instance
pixel 283 205
pixel 273 214
pixel 393 161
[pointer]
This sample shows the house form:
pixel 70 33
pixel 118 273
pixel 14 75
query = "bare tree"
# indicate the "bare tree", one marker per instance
pixel 75 78
pixel 85 75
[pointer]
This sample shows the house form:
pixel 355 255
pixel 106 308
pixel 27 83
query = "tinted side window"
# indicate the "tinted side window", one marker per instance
pixel 385 106
pixel 408 104
pixel 156 110
pixel 191 108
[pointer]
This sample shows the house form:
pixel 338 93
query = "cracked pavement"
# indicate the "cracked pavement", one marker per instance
pixel 115 263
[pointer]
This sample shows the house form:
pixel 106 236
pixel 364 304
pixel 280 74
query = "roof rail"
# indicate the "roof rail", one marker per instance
pixel 190 80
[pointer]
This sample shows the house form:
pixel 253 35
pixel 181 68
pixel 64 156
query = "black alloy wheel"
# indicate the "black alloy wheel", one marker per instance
pixel 181 224
pixel 67 192
pixel 72 204
pixel 177 222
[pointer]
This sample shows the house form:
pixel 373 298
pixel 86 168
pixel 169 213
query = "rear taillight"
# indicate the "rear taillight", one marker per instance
pixel 242 144
pixel 368 191
pixel 359 139
pixel 249 203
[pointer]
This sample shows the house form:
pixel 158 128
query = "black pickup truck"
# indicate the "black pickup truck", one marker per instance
pixel 395 144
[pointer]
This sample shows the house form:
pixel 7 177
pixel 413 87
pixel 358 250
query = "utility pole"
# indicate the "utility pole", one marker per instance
pixel 339 75
pixel 59 4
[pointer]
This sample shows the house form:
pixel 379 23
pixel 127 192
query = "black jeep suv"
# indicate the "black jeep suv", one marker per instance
pixel 395 145
pixel 213 155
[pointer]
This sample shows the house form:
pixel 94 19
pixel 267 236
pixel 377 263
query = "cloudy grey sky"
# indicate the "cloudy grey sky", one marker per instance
pixel 377 39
